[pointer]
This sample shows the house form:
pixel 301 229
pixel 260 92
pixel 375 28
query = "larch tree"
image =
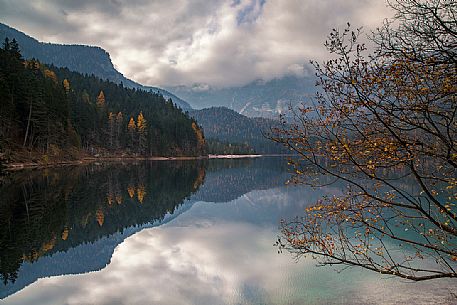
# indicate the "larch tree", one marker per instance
pixel 142 126
pixel 66 85
pixel 141 193
pixel 100 217
pixel 199 135
pixel 131 127
pixel 384 125
pixel 50 74
pixel 101 100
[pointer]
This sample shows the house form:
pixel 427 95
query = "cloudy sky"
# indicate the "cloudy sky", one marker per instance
pixel 184 42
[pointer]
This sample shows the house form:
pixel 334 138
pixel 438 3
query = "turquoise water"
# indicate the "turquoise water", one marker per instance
pixel 194 232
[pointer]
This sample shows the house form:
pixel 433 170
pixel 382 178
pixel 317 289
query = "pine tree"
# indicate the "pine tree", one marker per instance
pixel 119 123
pixel 111 128
pixel 14 49
pixel 6 44
pixel 85 97
pixel 48 109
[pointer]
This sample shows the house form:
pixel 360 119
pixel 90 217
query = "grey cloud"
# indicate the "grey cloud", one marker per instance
pixel 181 42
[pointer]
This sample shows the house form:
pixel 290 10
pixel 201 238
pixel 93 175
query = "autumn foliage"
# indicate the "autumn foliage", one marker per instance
pixel 384 126
pixel 51 114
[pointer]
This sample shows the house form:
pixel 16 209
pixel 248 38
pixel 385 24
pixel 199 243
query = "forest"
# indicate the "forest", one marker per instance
pixel 79 58
pixel 245 135
pixel 49 114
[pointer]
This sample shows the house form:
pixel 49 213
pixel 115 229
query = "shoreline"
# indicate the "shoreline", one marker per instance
pixel 33 165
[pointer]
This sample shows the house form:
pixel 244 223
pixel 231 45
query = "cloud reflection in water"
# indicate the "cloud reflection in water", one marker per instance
pixel 217 254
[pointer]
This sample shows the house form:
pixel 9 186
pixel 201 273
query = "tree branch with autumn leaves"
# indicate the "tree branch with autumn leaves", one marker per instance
pixel 384 124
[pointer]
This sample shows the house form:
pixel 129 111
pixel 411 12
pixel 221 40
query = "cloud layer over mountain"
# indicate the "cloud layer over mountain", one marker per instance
pixel 183 42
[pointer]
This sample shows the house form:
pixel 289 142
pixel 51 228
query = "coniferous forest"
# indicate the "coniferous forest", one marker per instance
pixel 50 113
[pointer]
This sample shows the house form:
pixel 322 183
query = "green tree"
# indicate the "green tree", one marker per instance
pixel 111 129
pixel 119 125
pixel 41 114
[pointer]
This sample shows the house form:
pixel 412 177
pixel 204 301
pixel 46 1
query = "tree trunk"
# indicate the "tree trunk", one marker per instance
pixel 28 124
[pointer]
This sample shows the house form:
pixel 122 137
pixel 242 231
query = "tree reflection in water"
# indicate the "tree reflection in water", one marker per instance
pixel 44 212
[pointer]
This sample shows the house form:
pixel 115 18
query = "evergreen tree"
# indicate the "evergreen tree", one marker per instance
pixel 43 114
pixel 119 124
pixel 6 44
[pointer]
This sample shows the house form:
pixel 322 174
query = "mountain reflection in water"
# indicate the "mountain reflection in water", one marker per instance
pixel 50 212
pixel 190 232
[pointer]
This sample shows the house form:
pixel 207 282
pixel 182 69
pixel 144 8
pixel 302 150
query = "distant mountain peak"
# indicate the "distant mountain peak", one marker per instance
pixel 260 98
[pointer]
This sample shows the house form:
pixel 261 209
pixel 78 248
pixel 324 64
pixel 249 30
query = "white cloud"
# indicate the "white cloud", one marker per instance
pixel 182 42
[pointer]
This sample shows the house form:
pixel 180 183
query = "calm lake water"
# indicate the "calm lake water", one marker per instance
pixel 168 232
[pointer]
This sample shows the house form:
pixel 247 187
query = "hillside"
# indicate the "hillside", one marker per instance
pixel 226 125
pixel 257 99
pixel 51 113
pixel 220 123
pixel 78 58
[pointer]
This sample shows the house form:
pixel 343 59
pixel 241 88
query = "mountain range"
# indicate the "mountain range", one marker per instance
pixel 79 58
pixel 226 125
pixel 256 99
pixel 239 115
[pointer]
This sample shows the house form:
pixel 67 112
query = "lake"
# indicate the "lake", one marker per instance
pixel 173 232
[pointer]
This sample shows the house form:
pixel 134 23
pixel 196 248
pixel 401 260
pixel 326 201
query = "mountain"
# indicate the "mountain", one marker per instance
pixel 79 58
pixel 256 99
pixel 226 125
pixel 51 113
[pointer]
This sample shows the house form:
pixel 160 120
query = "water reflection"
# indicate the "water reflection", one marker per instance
pixel 51 211
pixel 73 213
pixel 202 233
pixel 228 179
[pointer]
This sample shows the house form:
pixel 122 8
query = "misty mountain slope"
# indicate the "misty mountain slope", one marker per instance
pixel 78 58
pixel 227 125
pixel 256 99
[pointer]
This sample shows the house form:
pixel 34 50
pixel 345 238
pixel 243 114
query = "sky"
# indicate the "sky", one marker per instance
pixel 188 42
